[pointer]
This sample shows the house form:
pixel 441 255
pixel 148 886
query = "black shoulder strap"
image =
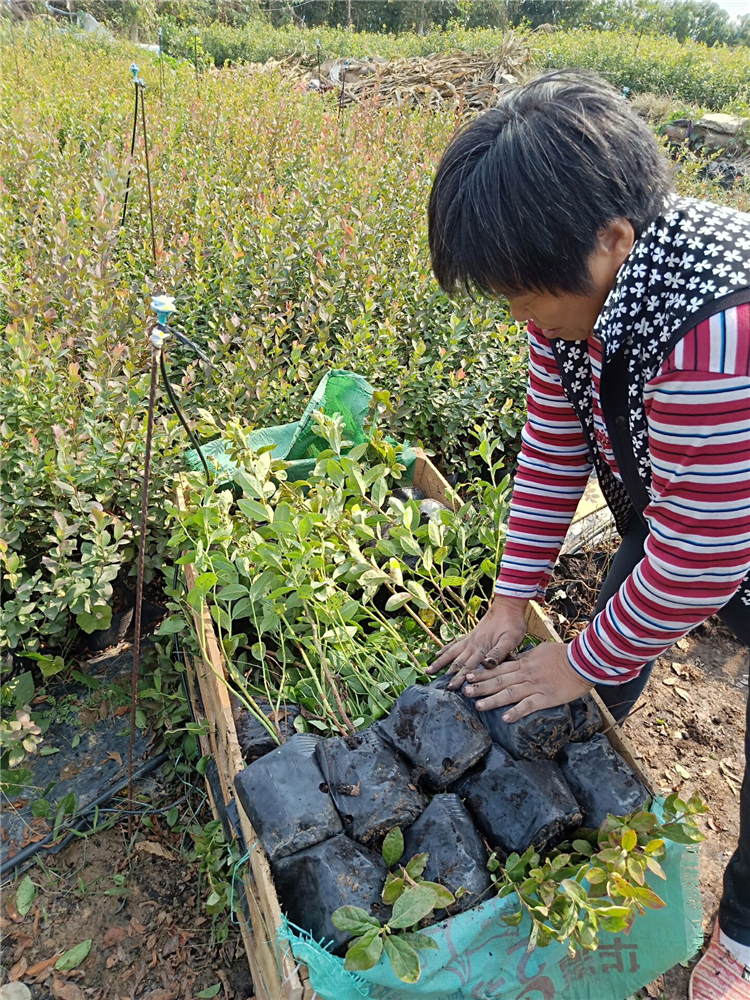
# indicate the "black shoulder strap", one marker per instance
pixel 615 403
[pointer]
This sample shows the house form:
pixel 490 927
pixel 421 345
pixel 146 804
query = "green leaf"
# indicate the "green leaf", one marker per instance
pixel 25 896
pixel 443 896
pixel 255 511
pixel 583 847
pixel 393 847
pixel 171 625
pixel 654 866
pixel 210 991
pixel 416 866
pixel 415 904
pixel 392 889
pixel 574 890
pixel 49 665
pixel 73 958
pixel 21 689
pixel 396 601
pixel 513 919
pixel 379 492
pixel 629 840
pixel 354 920
pixel 232 592
pixel 403 958
pixel 99 618
pixel 648 897
pixel 452 581
pixel 681 833
pixel 420 941
pixel 365 952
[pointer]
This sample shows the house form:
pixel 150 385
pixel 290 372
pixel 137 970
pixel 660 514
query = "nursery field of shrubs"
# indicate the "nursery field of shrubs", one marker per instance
pixel 293 241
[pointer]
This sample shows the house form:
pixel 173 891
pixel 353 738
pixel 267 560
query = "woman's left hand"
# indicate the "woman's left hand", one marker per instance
pixel 539 678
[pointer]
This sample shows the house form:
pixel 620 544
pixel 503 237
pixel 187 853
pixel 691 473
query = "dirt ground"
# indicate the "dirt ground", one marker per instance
pixel 151 941
pixel 688 729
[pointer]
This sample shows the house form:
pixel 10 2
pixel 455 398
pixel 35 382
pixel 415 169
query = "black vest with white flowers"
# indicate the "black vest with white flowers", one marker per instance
pixel 691 263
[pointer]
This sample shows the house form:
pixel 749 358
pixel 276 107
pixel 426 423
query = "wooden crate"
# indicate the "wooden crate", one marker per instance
pixel 275 975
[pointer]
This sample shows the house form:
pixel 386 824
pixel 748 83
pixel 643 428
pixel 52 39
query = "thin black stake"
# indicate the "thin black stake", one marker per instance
pixel 148 171
pixel 132 151
pixel 156 351
pixel 14 44
pixel 320 80
pixel 195 57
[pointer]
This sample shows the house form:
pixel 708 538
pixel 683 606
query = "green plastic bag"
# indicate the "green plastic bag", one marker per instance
pixel 340 391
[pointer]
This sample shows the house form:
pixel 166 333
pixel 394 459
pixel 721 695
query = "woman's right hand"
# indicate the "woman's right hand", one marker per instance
pixel 491 642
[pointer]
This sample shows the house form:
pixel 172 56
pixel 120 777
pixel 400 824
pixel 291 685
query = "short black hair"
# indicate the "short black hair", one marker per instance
pixel 522 192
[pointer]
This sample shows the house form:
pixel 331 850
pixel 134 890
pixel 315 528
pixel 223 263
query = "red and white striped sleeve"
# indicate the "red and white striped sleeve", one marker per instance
pixel 553 469
pixel 698 548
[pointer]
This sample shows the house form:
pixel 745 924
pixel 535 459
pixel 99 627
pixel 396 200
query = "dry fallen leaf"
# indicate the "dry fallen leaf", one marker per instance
pixel 150 847
pixel 683 694
pixel 137 926
pixel 677 668
pixel 730 778
pixel 669 681
pixel 113 936
pixel 682 771
pixel 656 989
pixel 18 971
pixel 121 710
pixel 112 960
pixel 67 991
pixel 113 755
pixel 683 644
pixel 40 967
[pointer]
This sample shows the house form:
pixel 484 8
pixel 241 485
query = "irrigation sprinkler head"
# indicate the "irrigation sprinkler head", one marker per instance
pixel 158 336
pixel 134 70
pixel 163 306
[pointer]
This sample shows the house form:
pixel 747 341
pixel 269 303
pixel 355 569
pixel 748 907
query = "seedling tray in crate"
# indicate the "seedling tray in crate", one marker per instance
pixel 275 975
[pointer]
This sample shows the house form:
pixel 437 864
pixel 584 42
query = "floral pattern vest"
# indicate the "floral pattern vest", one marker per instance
pixel 691 263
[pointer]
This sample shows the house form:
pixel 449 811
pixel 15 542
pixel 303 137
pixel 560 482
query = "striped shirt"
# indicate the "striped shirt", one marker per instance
pixel 698 548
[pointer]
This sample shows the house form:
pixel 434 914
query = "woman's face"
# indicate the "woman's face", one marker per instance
pixel 571 316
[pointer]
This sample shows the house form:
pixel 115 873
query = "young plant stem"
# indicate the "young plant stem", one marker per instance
pixel 427 631
pixel 324 664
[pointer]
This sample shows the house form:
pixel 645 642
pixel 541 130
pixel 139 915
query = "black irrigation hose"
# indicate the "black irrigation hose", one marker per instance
pixel 148 172
pixel 10 864
pixel 132 151
pixel 183 421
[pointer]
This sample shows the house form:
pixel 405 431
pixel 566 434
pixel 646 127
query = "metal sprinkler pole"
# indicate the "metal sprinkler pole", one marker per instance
pixel 163 306
pixel 195 55
pixel 320 81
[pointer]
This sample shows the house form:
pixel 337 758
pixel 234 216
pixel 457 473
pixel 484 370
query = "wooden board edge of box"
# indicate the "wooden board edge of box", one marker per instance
pixel 269 964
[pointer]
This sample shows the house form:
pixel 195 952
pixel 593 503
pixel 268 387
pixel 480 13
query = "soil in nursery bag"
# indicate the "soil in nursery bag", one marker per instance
pixel 254 738
pixel 538 736
pixel 407 493
pixel 517 803
pixel 370 785
pixel 313 883
pixel 458 856
pixel 587 719
pixel 438 731
pixel 286 798
pixel 601 781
